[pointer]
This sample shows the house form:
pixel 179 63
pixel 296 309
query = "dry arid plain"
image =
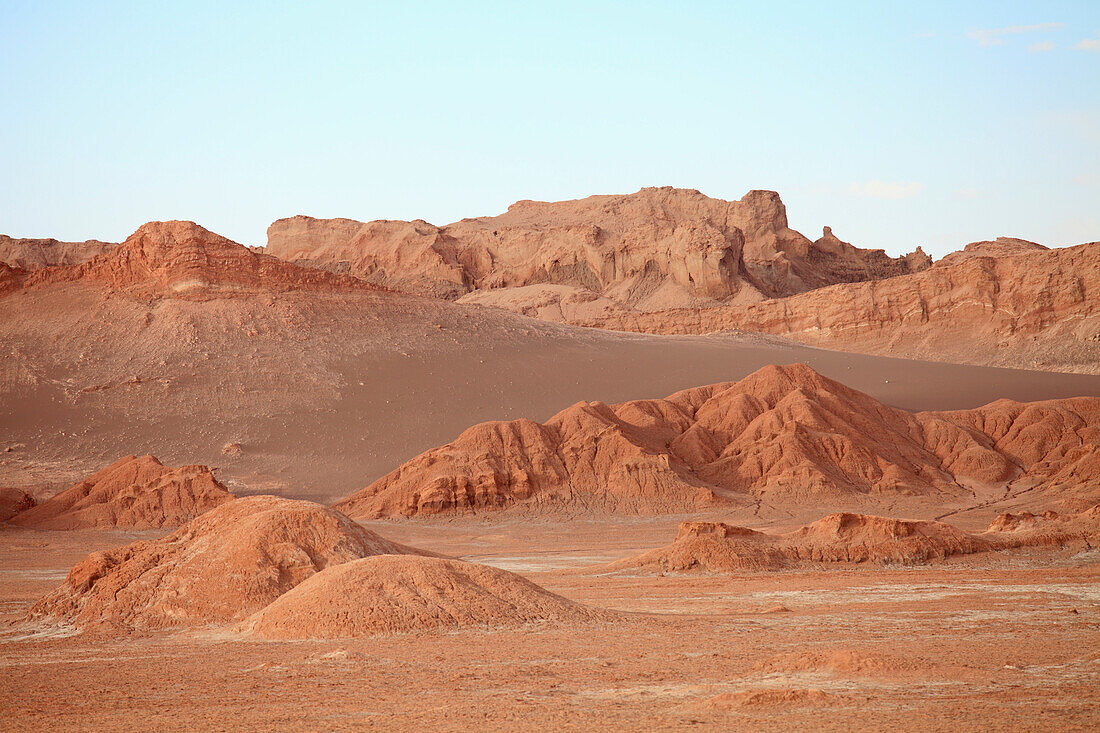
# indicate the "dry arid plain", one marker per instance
pixel 652 461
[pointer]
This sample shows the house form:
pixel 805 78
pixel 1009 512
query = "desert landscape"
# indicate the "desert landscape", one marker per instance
pixel 613 461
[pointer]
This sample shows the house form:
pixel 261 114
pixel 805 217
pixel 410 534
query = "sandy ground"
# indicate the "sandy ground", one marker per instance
pixel 326 394
pixel 1007 642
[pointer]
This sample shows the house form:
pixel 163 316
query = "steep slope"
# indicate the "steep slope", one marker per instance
pixel 140 493
pixel 782 435
pixel 31 254
pixel 651 250
pixel 220 567
pixel 401 593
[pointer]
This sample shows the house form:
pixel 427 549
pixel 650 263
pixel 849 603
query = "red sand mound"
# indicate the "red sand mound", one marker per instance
pixel 181 258
pixel 132 492
pixel 843 537
pixel 768 698
pixel 220 567
pixel 14 501
pixel 654 249
pixel 782 432
pixel 390 593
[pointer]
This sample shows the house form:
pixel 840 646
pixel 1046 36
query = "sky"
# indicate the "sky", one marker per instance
pixel 897 124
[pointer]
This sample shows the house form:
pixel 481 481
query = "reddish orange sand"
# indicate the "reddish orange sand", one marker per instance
pixel 990 642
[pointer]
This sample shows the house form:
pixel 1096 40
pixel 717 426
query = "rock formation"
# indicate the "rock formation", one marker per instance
pixel 220 567
pixel 181 258
pixel 1035 309
pixel 401 593
pixel 842 537
pixel 782 433
pixel 652 250
pixel 854 538
pixel 13 501
pixel 32 254
pixel 137 493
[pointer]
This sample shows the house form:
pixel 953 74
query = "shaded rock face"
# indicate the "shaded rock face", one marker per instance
pixel 13 502
pixel 220 567
pixel 396 593
pixel 855 538
pixel 32 254
pixel 655 249
pixel 782 432
pixel 180 258
pixel 137 493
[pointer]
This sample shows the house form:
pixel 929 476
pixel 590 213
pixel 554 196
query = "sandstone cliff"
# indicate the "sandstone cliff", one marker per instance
pixel 654 249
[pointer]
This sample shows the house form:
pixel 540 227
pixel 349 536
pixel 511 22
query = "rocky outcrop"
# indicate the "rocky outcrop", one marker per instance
pixel 841 537
pixel 854 538
pixel 137 493
pixel 220 567
pixel 32 254
pixel 1000 247
pixel 1037 310
pixel 652 250
pixel 13 502
pixel 781 433
pixel 401 593
pixel 180 258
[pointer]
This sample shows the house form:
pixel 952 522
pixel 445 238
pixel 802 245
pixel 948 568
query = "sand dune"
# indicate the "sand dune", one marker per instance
pixel 400 593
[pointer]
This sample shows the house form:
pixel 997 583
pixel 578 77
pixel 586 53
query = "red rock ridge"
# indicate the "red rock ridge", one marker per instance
pixel 182 258
pixel 652 249
pixel 780 432
pixel 138 493
pixel 31 254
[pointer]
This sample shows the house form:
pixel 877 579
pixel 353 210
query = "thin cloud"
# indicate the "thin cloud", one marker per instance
pixel 996 36
pixel 1089 44
pixel 1085 179
pixel 886 189
pixel 926 34
pixel 968 194
pixel 1042 47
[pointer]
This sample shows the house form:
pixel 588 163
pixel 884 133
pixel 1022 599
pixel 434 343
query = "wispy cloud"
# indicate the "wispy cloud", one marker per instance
pixel 886 189
pixel 968 194
pixel 925 34
pixel 1089 44
pixel 1041 47
pixel 1085 179
pixel 996 36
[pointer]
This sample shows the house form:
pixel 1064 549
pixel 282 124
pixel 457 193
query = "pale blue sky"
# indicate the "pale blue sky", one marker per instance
pixel 896 123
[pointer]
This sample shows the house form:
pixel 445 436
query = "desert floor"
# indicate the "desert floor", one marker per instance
pixel 994 642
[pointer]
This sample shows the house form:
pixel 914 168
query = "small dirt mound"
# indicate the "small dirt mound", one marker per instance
pixel 844 663
pixel 766 698
pixel 1048 528
pixel 719 547
pixel 138 493
pixel 220 567
pixel 389 593
pixel 14 501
